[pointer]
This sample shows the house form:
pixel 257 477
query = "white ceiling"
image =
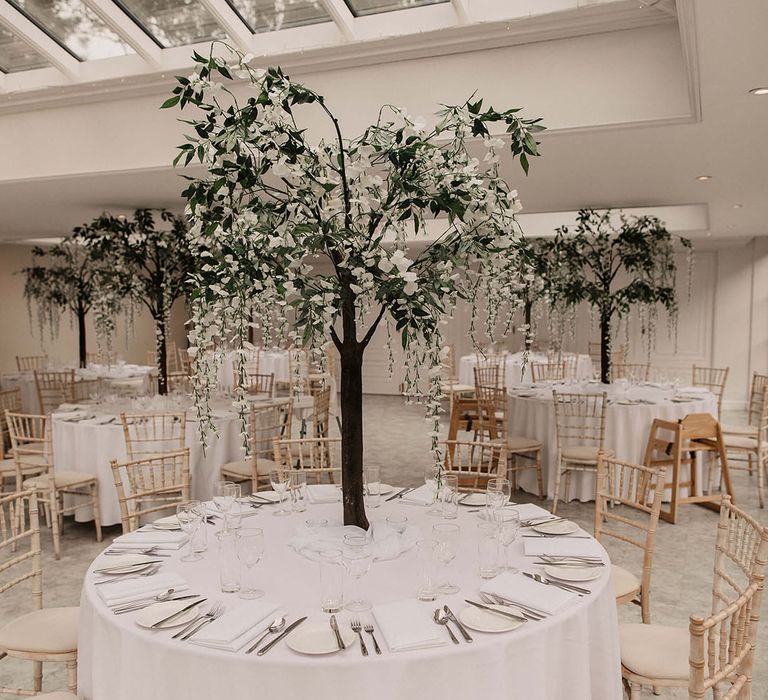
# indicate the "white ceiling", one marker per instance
pixel 637 113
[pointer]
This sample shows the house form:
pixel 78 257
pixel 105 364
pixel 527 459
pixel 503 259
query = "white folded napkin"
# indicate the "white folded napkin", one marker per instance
pixel 693 390
pixel 236 628
pixel 422 496
pixel 162 539
pixel 407 625
pixel 323 493
pixel 132 589
pixel 529 511
pixel 561 547
pixel 521 589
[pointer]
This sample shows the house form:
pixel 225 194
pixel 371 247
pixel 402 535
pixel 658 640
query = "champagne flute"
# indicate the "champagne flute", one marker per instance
pixel 224 495
pixel 190 517
pixel 447 537
pixel 431 479
pixel 250 549
pixel 498 492
pixel 280 480
pixel 509 527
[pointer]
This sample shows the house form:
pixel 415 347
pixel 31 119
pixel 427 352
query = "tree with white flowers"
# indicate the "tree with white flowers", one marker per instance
pixel 272 199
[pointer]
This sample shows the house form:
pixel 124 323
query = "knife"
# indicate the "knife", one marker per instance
pixel 494 610
pixel 397 495
pixel 456 622
pixel 177 613
pixel 563 586
pixel 146 602
pixel 108 569
pixel 335 628
pixel 287 631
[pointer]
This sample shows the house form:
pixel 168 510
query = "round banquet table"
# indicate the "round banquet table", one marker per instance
pixel 572 654
pixel 513 369
pixel 532 414
pixel 270 362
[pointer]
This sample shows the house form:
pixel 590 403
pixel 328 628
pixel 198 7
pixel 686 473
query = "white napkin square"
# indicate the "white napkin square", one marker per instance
pixel 693 390
pixel 521 589
pixel 162 539
pixel 407 625
pixel 323 493
pixel 561 547
pixel 529 511
pixel 236 628
pixel 422 496
pixel 133 589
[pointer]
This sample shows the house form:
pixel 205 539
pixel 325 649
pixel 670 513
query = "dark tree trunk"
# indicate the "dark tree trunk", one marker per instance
pixel 528 311
pixel 81 335
pixel 162 360
pixel 605 346
pixel 352 435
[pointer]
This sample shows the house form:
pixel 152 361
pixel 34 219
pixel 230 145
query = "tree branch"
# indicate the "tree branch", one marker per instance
pixel 367 338
pixel 335 338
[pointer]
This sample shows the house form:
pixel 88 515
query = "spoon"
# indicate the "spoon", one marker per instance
pixel 277 624
pixel 442 619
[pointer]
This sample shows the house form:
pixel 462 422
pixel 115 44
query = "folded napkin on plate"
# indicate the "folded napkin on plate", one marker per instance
pixel 521 589
pixel 236 628
pixel 323 493
pixel 133 589
pixel 407 625
pixel 561 547
pixel 693 390
pixel 141 539
pixel 529 511
pixel 385 542
pixel 422 496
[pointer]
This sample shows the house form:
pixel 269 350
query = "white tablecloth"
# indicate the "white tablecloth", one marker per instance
pixel 514 373
pixel 626 428
pixel 573 654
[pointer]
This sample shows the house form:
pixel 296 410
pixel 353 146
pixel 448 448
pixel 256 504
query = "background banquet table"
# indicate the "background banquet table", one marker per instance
pixel 270 362
pixel 573 654
pixel 626 426
pixel 514 373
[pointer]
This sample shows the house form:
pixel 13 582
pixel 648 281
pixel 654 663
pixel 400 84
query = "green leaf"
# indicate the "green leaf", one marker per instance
pixel 171 102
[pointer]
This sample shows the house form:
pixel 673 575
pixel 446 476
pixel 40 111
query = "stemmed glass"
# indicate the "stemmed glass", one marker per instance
pixel 190 517
pixel 250 549
pixel 497 495
pixel 447 537
pixel 357 557
pixel 224 496
pixel 431 479
pixel 509 527
pixel 280 481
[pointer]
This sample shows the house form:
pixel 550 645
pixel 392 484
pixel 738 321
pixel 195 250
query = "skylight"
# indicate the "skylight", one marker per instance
pixel 360 8
pixel 16 55
pixel 273 15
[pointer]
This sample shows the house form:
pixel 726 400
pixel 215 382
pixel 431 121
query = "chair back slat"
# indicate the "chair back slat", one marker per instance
pixel 10 400
pixel 475 462
pixel 54 389
pixel 547 371
pixel 150 434
pixel 20 550
pixel 31 444
pixel 626 370
pixel 489 374
pixel 580 419
pixel 28 363
pixel 320 458
pixel 714 379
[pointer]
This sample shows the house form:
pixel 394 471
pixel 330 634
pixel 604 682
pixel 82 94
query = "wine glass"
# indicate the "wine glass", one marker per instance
pixel 250 549
pixel 357 557
pixel 447 537
pixel 224 496
pixel 280 480
pixel 509 527
pixel 431 479
pixel 497 494
pixel 190 517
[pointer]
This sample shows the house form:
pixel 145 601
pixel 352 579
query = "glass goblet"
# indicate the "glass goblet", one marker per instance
pixel 357 557
pixel 224 497
pixel 280 480
pixel 190 517
pixel 447 537
pixel 508 522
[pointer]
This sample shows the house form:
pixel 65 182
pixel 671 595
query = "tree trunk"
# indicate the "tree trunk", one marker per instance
pixel 81 335
pixel 162 359
pixel 528 311
pixel 605 346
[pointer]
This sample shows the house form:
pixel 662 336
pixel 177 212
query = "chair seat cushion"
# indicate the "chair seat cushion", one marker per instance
pixel 518 443
pixel 63 478
pixel 47 631
pixel 741 441
pixel 624 582
pixel 456 388
pixel 243 467
pixel 583 453
pixel 655 651
pixel 749 430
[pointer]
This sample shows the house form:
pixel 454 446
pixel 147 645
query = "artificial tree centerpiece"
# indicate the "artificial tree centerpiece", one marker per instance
pixel 147 265
pixel 275 205
pixel 615 262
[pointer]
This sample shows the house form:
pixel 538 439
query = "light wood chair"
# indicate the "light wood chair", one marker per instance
pixel 547 371
pixel 152 434
pixel 10 400
pixel 265 424
pixel 628 498
pixel 580 424
pixel 450 385
pixel 32 447
pixel 259 385
pixel 27 363
pixel 84 390
pixel 489 374
pixel 171 357
pixel 44 634
pixel 676 444
pixel 298 373
pixel 754 409
pixel 320 418
pixel 185 362
pixel 715 653
pixel 150 485
pixel 318 457
pixel 713 379
pixel 54 389
pixel 523 453
pixel 474 463
pixel 636 372
pixel 465 416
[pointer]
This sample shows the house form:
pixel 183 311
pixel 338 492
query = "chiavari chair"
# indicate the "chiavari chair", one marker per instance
pixel 636 372
pixel 10 400
pixel 474 463
pixel 54 389
pixel 28 363
pixel 151 434
pixel 489 374
pixel 754 409
pixel 713 379
pixel 259 385
pixel 547 371
pixel 319 458
pixel 85 390
pixel 450 385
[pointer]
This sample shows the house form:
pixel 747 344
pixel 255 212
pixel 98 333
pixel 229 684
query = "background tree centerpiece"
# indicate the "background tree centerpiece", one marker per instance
pixel 273 200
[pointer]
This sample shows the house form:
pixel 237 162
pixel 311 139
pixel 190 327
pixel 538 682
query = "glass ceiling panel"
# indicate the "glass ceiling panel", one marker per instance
pixel 271 15
pixel 360 8
pixel 16 55
pixel 75 26
pixel 174 22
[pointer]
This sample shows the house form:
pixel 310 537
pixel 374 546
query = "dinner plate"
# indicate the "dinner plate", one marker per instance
pixel 484 621
pixel 170 522
pixel 126 564
pixel 319 639
pixel 573 573
pixel 560 527
pixel 154 613
pixel 266 496
pixel 472 499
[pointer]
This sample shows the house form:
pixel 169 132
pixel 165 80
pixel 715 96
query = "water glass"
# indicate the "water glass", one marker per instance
pixel 449 496
pixel 280 480
pixel 508 522
pixel 229 565
pixel 190 518
pixel 426 586
pixel 358 557
pixel 488 549
pixel 398 523
pixel 224 495
pixel 331 581
pixel 250 550
pixel 372 481
pixel 299 496
pixel 447 537
pixel 200 538
pixel 497 493
pixel 431 479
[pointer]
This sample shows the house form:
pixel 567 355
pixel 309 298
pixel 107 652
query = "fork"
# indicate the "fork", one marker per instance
pixel 151 571
pixel 216 611
pixel 533 612
pixel 368 627
pixel 357 628
pixel 148 550
pixel 525 612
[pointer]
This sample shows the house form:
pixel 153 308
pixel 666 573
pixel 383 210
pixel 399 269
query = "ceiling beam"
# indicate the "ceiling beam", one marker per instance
pixel 39 40
pixel 461 8
pixel 342 16
pixel 127 30
pixel 230 22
